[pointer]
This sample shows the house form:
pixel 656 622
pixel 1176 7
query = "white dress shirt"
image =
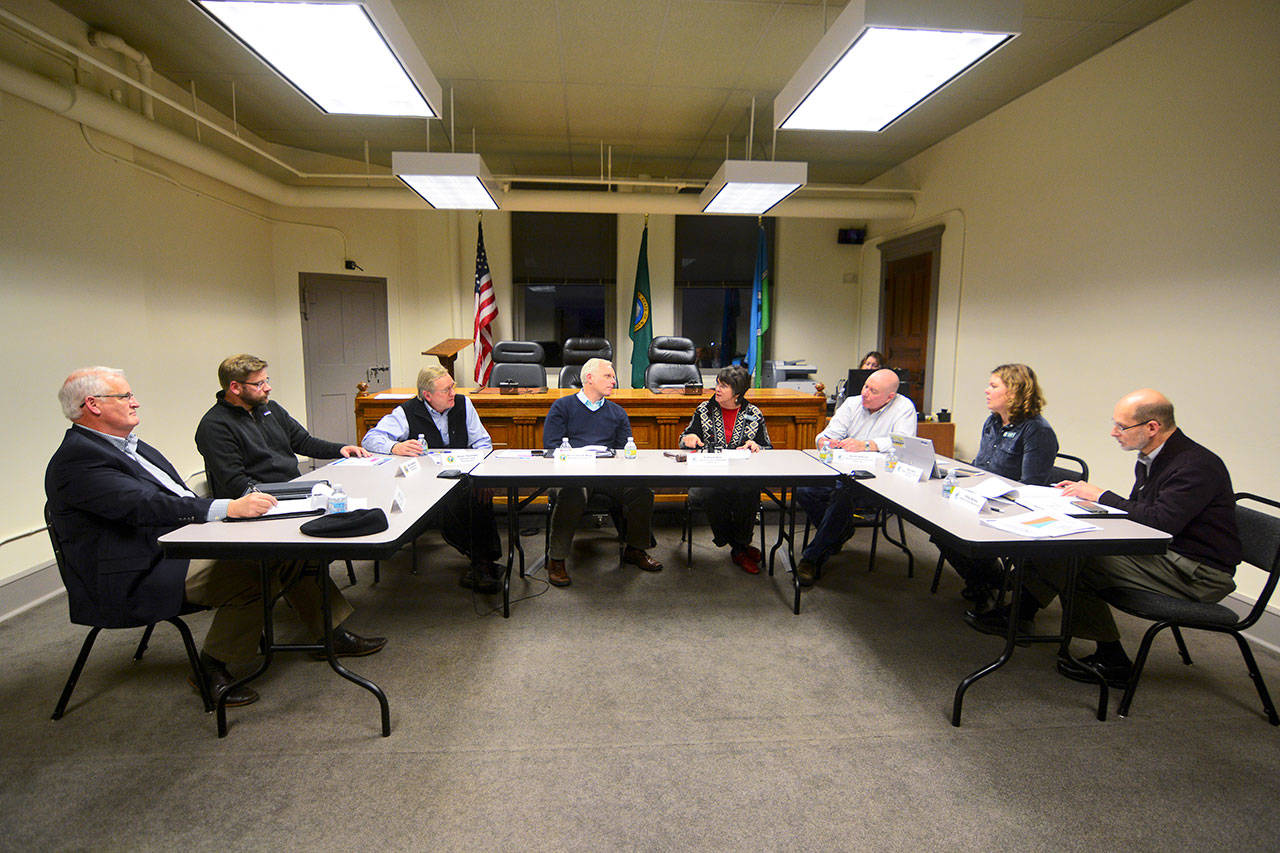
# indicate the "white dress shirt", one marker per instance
pixel 852 420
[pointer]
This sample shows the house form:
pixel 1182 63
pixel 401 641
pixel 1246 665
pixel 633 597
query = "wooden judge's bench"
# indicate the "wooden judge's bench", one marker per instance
pixel 793 418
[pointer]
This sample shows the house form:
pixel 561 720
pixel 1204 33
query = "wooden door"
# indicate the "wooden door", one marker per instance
pixel 905 319
pixel 344 341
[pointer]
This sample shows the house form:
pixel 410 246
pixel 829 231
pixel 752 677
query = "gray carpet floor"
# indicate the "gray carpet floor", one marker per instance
pixel 688 709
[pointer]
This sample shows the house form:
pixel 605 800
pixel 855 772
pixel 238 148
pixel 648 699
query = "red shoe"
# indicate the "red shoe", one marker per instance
pixel 745 560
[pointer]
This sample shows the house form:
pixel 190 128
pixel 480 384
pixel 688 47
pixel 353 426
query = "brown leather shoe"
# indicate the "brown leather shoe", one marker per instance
pixel 556 574
pixel 218 680
pixel 349 645
pixel 641 560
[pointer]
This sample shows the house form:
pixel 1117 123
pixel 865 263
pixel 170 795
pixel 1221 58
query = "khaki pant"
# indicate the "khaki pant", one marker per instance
pixel 234 589
pixel 1168 574
pixel 637 516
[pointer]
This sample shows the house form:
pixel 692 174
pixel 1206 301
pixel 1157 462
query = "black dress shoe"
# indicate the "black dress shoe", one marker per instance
pixel 996 621
pixel 217 679
pixel 349 645
pixel 482 577
pixel 1115 674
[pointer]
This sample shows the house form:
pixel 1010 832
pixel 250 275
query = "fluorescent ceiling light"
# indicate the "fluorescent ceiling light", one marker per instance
pixel 344 56
pixel 880 58
pixel 752 186
pixel 446 181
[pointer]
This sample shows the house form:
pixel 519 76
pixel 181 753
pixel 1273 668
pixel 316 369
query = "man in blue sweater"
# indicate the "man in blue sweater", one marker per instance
pixel 588 418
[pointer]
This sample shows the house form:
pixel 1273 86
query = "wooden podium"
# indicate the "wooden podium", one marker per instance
pixel 447 351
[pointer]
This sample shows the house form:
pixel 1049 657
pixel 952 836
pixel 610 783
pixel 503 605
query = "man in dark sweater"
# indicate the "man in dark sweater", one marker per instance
pixel 588 418
pixel 247 439
pixel 1180 488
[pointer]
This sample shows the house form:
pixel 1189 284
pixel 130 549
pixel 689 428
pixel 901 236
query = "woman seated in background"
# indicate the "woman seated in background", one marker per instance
pixel 1017 443
pixel 873 360
pixel 727 421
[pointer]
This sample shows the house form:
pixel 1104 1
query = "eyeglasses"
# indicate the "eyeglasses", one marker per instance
pixel 1115 427
pixel 128 395
pixel 257 384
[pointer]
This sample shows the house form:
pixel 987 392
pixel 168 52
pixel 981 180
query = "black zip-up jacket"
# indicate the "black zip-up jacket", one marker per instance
pixel 241 448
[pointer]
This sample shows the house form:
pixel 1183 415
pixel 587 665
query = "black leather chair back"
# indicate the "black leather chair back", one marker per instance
pixel 658 374
pixel 524 375
pixel 577 351
pixel 672 350
pixel 518 352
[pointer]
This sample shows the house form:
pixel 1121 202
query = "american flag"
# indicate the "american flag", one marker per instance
pixel 486 311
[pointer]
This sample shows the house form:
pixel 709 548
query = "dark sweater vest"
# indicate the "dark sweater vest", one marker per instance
pixel 420 423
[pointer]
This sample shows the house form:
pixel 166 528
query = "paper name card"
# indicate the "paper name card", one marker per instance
pixel 968 500
pixel 706 460
pixel 408 468
pixel 862 460
pixel 457 458
pixel 910 472
pixel 398 500
pixel 577 456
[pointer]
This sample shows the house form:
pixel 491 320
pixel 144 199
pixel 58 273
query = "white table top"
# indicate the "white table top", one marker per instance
pixel 651 467
pixel 924 505
pixel 282 538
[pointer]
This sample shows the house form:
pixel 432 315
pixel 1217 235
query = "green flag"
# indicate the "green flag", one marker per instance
pixel 641 316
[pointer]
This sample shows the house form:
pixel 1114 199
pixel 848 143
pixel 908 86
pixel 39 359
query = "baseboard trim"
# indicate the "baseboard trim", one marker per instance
pixel 29 589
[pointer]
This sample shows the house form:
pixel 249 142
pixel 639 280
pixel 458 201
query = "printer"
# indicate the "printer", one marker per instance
pixel 797 375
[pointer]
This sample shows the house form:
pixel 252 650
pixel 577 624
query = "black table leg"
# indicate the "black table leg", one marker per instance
pixel 513 541
pixel 326 615
pixel 1009 642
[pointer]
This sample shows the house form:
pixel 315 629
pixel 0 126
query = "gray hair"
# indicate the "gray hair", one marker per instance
pixel 594 364
pixel 84 382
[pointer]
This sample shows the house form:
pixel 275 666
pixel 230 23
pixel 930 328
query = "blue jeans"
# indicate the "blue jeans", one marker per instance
pixel 830 510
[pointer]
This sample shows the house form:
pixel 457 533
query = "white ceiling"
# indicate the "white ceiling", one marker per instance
pixel 544 84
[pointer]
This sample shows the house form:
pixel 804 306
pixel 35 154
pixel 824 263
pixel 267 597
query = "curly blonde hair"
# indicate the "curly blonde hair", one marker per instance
pixel 1026 398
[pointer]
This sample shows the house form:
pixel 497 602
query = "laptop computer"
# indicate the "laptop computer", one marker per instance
pixel 918 453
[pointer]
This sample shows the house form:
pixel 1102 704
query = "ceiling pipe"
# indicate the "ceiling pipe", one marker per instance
pixel 112 42
pixel 82 105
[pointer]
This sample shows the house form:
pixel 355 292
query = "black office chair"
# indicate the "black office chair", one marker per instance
pixel 686 530
pixel 577 352
pixel 521 362
pixel 87 646
pixel 1077 472
pixel 1260 536
pixel 672 362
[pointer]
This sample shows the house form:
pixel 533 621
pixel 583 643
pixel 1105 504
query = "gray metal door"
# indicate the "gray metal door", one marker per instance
pixel 344 341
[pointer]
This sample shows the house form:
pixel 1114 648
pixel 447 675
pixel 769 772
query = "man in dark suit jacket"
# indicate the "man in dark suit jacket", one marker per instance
pixel 1181 488
pixel 111 496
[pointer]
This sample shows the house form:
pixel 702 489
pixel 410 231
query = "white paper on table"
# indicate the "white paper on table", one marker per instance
pixel 1060 503
pixel 363 461
pixel 993 487
pixel 1040 525
pixel 516 454
pixel 290 505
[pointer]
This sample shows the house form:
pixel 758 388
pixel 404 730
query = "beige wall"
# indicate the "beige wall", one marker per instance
pixel 1118 228
pixel 1115 227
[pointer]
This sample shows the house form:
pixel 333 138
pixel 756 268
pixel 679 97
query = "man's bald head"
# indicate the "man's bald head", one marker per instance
pixel 879 389
pixel 1148 404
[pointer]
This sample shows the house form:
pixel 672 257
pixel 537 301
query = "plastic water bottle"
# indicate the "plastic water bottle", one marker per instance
pixel 891 460
pixel 949 484
pixel 422 439
pixel 337 500
pixel 562 452
pixel 629 452
pixel 825 452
